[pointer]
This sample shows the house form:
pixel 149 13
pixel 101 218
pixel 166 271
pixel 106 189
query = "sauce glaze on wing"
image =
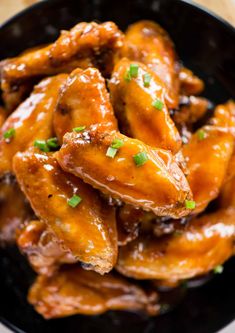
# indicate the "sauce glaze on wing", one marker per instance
pixel 84 155
pixel 147 42
pixel 204 243
pixel 87 230
pixel 75 291
pixel 208 158
pixel 43 250
pixel 84 45
pixel 133 105
pixel 32 120
pixel 83 101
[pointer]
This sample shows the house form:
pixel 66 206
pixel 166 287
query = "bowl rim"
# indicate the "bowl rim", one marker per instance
pixel 46 3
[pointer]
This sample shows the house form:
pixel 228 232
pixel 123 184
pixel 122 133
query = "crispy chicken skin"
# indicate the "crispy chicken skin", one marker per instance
pixel 14 210
pixel 84 155
pixel 87 230
pixel 133 105
pixel 147 42
pixel 208 158
pixel 84 45
pixel 32 120
pixel 195 249
pixel 75 291
pixel 190 84
pixel 83 101
pixel 42 248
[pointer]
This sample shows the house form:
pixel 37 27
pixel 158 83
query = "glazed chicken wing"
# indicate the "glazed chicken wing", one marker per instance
pixel 32 120
pixel 141 109
pixel 43 250
pixel 85 45
pixel 138 174
pixel 147 42
pixel 83 101
pixel 14 209
pixel 75 291
pixel 72 210
pixel 207 155
pixel 193 250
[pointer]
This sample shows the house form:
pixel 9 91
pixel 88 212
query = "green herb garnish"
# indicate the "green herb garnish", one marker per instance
pixel 79 129
pixel 218 269
pixel 134 68
pixel 140 158
pixel 74 201
pixel 42 145
pixel 190 204
pixel 111 152
pixel 53 143
pixel 9 133
pixel 157 104
pixel 147 78
pixel 201 134
pixel 117 143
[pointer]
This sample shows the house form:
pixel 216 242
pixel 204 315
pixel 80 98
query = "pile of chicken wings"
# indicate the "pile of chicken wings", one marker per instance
pixel 112 167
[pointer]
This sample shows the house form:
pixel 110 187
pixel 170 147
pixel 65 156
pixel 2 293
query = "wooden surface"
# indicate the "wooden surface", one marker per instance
pixel 224 8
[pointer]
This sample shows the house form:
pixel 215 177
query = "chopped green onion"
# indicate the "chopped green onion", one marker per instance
pixel 218 269
pixel 201 134
pixel 157 104
pixel 79 129
pixel 53 143
pixel 140 158
pixel 9 133
pixel 74 201
pixel 134 68
pixel 42 145
pixel 117 143
pixel 190 204
pixel 111 152
pixel 147 78
pixel 127 76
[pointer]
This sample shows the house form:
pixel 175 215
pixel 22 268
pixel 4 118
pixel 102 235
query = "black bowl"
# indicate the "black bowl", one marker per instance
pixel 206 44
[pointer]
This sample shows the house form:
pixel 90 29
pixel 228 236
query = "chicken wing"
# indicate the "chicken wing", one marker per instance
pixel 72 210
pixel 14 209
pixel 75 291
pixel 190 84
pixel 87 44
pixel 207 156
pixel 147 42
pixel 193 250
pixel 132 176
pixel 32 120
pixel 83 101
pixel 42 248
pixel 141 109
